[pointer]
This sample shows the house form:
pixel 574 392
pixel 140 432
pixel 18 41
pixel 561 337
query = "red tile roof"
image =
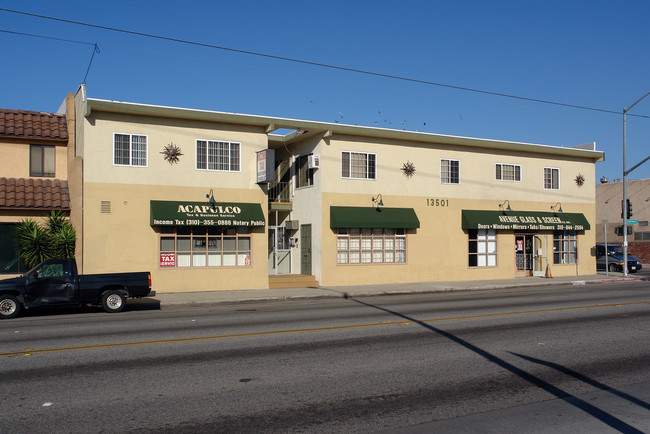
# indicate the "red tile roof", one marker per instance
pixel 30 193
pixel 33 125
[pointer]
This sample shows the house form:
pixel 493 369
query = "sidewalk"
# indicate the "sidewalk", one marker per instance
pixel 208 298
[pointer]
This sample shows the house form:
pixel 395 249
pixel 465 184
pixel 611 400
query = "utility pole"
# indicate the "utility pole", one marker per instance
pixel 625 172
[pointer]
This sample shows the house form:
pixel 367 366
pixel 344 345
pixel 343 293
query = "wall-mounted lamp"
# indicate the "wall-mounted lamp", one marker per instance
pixel 377 200
pixel 557 207
pixel 210 197
pixel 502 205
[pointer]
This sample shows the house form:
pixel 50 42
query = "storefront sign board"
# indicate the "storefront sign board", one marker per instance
pixel 173 213
pixel 266 166
pixel 524 220
pixel 167 260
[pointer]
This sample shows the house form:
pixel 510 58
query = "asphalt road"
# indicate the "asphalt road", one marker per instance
pixel 551 359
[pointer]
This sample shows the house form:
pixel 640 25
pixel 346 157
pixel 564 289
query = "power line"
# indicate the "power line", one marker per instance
pixel 55 38
pixel 319 64
pixel 36 35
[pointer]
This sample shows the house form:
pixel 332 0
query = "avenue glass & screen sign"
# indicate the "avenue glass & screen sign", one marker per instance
pixel 524 220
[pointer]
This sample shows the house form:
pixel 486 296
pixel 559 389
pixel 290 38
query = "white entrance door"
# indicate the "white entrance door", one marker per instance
pixel 272 249
pixel 279 251
pixel 538 256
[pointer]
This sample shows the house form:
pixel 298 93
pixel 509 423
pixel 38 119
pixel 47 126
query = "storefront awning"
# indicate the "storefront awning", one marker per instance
pixel 172 213
pixel 524 220
pixel 368 218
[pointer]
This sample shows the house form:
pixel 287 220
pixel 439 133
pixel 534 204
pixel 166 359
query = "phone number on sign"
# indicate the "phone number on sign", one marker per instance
pixel 208 222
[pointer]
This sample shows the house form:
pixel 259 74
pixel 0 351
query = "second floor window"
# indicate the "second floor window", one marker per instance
pixel 358 165
pixel 551 178
pixel 508 172
pixel 130 150
pixel 216 155
pixel 41 160
pixel 449 171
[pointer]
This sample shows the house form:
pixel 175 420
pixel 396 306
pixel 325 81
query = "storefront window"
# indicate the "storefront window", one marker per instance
pixel 482 248
pixel 205 247
pixel 371 246
pixel 565 247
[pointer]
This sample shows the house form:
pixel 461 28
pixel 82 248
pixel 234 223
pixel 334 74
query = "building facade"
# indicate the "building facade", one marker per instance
pixel 33 175
pixel 609 198
pixel 210 200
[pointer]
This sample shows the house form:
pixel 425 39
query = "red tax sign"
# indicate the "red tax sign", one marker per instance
pixel 167 260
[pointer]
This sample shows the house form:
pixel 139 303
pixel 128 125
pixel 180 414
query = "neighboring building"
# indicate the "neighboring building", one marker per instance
pixel 33 175
pixel 609 198
pixel 252 198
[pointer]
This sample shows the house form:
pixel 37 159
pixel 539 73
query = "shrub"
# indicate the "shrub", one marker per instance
pixel 36 243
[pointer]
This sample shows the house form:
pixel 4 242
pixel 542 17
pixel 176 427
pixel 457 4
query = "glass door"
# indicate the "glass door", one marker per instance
pixel 538 256
pixel 279 250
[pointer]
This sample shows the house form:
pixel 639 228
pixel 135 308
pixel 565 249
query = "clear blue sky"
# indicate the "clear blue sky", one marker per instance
pixel 587 53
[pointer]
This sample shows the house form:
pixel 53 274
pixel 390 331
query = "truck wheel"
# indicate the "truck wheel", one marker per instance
pixel 9 306
pixel 113 301
pixel 613 268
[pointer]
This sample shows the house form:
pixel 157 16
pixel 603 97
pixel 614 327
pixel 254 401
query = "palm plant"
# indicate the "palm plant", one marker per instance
pixel 36 243
pixel 56 220
pixel 64 241
pixel 33 242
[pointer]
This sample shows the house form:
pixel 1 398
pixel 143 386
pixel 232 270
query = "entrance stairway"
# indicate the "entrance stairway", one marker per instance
pixel 292 281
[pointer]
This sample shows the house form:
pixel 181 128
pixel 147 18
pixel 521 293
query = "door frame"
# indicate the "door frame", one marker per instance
pixel 274 251
pixel 539 244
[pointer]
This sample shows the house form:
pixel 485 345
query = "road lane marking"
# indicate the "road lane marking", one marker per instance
pixel 32 351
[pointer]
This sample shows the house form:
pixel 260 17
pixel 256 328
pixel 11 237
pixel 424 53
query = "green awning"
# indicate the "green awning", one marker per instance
pixel 524 220
pixel 172 213
pixel 367 217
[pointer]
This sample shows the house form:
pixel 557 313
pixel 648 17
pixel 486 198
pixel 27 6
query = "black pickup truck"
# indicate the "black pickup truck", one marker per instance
pixel 56 282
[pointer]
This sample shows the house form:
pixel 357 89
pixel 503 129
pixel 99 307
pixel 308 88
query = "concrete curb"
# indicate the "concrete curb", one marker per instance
pixel 298 294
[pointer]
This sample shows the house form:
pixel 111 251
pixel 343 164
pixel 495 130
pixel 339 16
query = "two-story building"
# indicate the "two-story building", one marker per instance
pixel 33 174
pixel 210 200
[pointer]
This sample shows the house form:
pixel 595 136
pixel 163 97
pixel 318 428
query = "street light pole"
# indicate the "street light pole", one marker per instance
pixel 625 172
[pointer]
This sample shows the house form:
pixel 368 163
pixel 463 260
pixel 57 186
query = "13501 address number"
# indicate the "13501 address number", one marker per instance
pixel 437 202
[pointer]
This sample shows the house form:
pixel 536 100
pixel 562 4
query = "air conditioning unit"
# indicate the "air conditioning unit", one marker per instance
pixel 313 161
pixel 292 224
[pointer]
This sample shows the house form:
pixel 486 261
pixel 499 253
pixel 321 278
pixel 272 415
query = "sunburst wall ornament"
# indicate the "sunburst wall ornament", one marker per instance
pixel 409 169
pixel 580 180
pixel 172 153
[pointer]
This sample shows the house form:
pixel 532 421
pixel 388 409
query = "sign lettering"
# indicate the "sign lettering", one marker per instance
pixel 170 213
pixel 167 260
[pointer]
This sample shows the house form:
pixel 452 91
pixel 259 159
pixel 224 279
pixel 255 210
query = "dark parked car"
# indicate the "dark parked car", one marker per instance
pixel 56 282
pixel 615 259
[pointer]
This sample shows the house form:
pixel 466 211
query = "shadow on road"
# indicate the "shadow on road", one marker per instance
pixel 585 379
pixel 132 305
pixel 596 412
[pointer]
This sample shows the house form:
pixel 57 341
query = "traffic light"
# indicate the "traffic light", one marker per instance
pixel 626 211
pixel 618 230
pixel 629 209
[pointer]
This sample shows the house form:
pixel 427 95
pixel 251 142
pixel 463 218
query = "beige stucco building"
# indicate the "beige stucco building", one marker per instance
pixel 33 175
pixel 252 200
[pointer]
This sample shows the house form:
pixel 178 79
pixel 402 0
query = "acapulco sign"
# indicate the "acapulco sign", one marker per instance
pixel 171 213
